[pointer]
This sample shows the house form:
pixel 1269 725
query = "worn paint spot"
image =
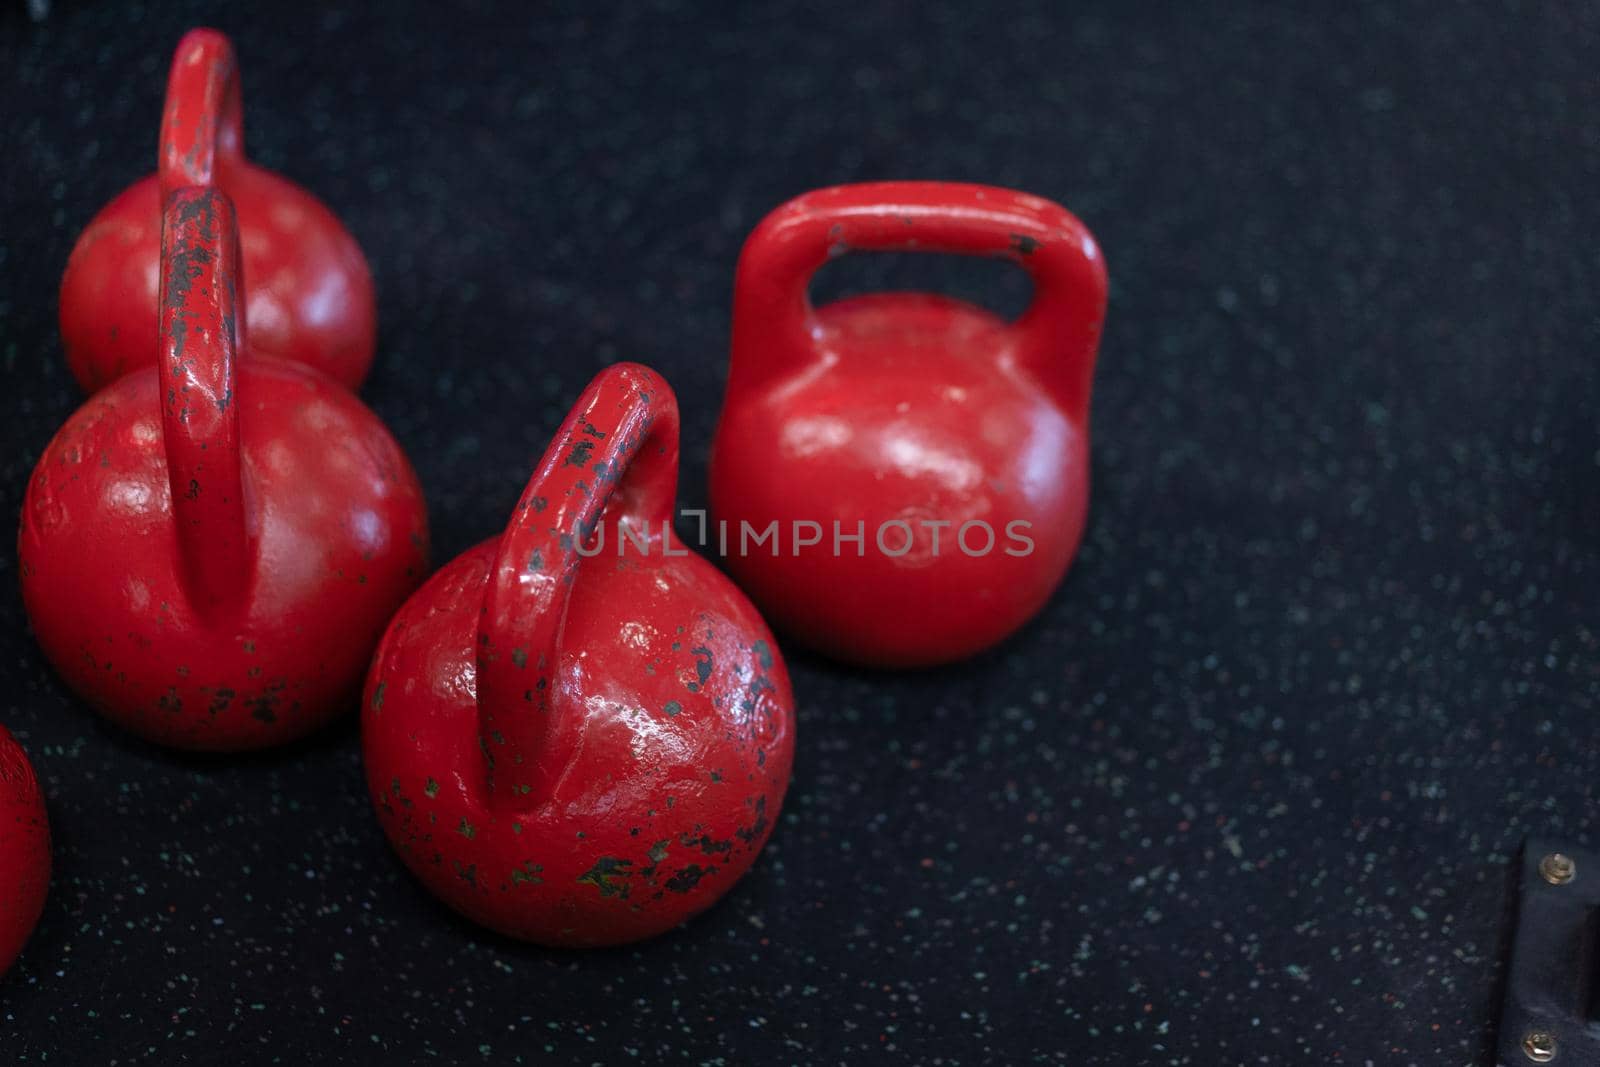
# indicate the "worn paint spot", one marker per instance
pixel 688 878
pixel 264 708
pixel 580 454
pixel 1024 244
pixel 705 843
pixel 609 875
pixel 377 696
pixel 751 833
pixel 467 830
pixel 702 664
pixel 431 788
pixel 672 708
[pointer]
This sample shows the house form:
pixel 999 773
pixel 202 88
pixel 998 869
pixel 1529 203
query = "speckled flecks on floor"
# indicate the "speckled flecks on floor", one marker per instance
pixel 1251 788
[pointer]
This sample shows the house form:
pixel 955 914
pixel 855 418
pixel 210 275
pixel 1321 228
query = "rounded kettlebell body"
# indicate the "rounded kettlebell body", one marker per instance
pixel 24 849
pixel 307 289
pixel 582 751
pixel 210 551
pixel 921 465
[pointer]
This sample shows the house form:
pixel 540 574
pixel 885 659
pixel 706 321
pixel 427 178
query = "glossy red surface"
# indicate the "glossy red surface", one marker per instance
pixel 582 751
pixel 24 849
pixel 908 408
pixel 308 290
pixel 210 548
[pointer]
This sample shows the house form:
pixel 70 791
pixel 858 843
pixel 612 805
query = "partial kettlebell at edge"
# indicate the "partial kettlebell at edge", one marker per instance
pixel 211 546
pixel 578 733
pixel 914 470
pixel 307 287
pixel 24 849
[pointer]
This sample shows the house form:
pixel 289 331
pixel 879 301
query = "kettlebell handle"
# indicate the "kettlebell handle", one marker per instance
pixel 201 334
pixel 1055 339
pixel 202 122
pixel 615 459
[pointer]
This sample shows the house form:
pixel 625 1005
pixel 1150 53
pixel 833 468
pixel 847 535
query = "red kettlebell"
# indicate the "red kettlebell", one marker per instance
pixel 211 547
pixel 308 292
pixel 24 849
pixel 902 478
pixel 576 733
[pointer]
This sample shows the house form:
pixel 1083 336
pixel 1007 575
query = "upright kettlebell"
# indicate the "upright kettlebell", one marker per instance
pixel 308 291
pixel 212 546
pixel 576 733
pixel 903 478
pixel 24 849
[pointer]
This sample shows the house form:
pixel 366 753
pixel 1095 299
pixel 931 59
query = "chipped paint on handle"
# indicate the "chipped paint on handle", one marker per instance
pixel 617 447
pixel 200 339
pixel 202 121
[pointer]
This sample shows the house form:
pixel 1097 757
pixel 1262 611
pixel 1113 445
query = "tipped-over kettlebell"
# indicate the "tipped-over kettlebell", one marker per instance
pixel 211 546
pixel 579 733
pixel 904 477
pixel 24 849
pixel 306 285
